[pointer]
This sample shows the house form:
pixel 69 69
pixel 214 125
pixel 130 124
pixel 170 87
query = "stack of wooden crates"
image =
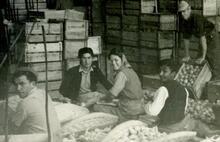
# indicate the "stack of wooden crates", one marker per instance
pixel 35 53
pixel 20 7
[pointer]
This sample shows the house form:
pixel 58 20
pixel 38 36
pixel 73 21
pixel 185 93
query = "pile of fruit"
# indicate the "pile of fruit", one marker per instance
pixel 188 74
pixel 139 134
pixel 200 109
pixel 96 135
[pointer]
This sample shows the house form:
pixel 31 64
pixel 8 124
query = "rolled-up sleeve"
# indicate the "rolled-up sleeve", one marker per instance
pixel 160 96
pixel 119 84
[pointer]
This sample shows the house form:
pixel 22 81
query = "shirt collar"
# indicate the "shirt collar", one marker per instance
pixel 82 70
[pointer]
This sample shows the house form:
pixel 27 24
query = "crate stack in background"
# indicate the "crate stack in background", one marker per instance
pixel 35 53
pixel 21 7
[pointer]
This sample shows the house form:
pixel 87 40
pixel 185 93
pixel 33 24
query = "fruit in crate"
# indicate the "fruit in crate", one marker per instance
pixel 200 109
pixel 188 74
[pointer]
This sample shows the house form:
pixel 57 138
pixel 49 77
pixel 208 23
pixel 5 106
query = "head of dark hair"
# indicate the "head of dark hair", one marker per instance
pixel 85 50
pixel 171 64
pixel 116 51
pixel 31 76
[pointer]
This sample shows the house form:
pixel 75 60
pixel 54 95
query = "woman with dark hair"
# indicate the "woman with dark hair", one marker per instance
pixel 126 87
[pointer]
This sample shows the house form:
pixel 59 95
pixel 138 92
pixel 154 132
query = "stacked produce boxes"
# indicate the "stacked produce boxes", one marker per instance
pixel 35 53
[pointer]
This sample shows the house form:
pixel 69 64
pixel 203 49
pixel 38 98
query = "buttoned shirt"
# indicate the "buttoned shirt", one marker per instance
pixel 85 81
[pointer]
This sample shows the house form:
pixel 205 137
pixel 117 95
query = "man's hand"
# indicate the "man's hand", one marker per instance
pixel 200 60
pixel 186 59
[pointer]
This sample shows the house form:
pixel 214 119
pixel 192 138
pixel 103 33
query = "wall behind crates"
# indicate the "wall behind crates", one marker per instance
pixel 138 35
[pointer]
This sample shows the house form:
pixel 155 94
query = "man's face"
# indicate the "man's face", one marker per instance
pixel 86 60
pixel 186 13
pixel 24 86
pixel 166 73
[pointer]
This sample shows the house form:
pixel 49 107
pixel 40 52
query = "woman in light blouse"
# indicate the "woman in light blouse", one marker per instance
pixel 126 87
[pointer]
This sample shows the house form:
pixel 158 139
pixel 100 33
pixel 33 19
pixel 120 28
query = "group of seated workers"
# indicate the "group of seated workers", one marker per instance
pixel 168 103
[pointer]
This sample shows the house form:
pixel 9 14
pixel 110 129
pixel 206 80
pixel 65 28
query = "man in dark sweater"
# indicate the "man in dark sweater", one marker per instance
pixel 198 26
pixel 83 79
pixel 170 103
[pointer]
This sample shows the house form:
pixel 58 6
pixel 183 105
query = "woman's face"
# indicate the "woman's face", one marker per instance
pixel 116 62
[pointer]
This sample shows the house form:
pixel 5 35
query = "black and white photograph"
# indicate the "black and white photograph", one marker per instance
pixel 109 70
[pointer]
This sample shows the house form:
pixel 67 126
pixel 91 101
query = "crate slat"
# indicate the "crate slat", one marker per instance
pixel 39 47
pixel 40 57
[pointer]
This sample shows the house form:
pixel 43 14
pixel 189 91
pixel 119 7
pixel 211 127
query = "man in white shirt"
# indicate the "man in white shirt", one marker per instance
pixel 30 115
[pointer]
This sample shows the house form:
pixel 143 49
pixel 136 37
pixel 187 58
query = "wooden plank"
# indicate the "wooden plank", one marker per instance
pixel 165 54
pixel 71 14
pixel 95 43
pixel 72 48
pixel 149 36
pixel 132 5
pixel 52 75
pixel 41 66
pixel 40 57
pixel 209 8
pixel 130 35
pixel 39 47
pixel 113 19
pixel 113 33
pixel 22 6
pixel 48 38
pixel 54 14
pixel 130 20
pixel 50 28
pixel 52 85
pixel 23 1
pixel 76 29
pixel 130 28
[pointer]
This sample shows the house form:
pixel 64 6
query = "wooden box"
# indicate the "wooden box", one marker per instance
pixel 210 8
pixel 203 77
pixel 166 54
pixel 54 14
pixel 39 47
pixel 71 14
pixel 42 66
pixel 52 85
pixel 167 22
pixel 40 57
pixel 76 29
pixel 52 75
pixel 147 6
pixel 50 28
pixel 72 46
pixel 213 90
pixel 151 81
pixel 48 38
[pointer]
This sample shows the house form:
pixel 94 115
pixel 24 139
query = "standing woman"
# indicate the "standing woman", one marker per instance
pixel 126 87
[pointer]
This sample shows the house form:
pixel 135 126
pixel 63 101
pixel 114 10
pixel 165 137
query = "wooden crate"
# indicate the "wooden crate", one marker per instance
pixel 168 22
pixel 52 85
pixel 39 47
pixel 210 8
pixel 199 84
pixel 151 81
pixel 166 40
pixel 52 75
pixel 76 29
pixel 41 66
pixel 165 54
pixel 40 57
pixel 72 48
pixel 54 14
pixel 71 14
pixel 48 38
pixel 213 90
pixel 147 6
pixel 50 28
